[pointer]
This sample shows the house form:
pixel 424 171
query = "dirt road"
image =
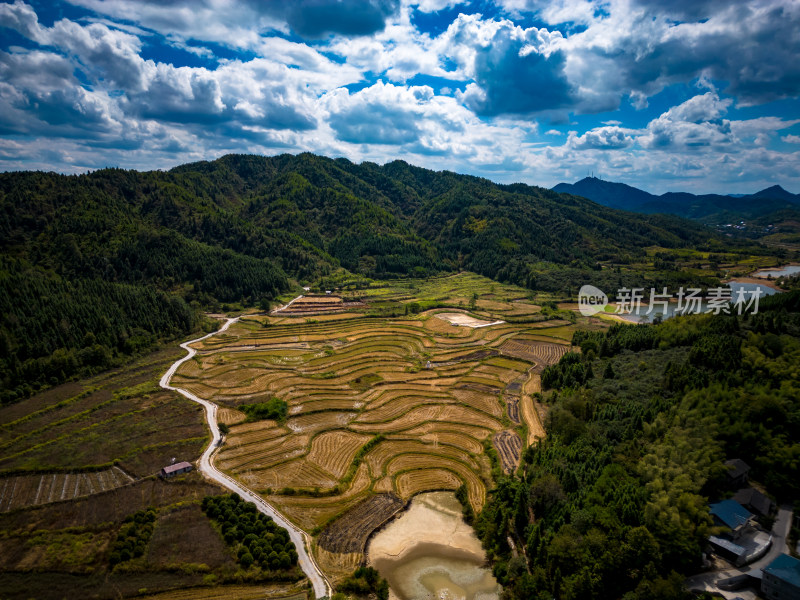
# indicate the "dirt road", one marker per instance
pixel 206 466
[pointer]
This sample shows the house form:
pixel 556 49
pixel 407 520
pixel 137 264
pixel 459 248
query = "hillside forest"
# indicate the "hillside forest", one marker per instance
pixel 99 267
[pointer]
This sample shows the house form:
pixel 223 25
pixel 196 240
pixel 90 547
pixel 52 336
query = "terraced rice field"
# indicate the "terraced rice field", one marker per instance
pixel 509 447
pixel 378 410
pixel 538 352
pixel 350 532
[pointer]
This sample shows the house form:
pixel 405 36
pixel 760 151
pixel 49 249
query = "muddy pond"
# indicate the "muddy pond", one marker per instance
pixel 430 553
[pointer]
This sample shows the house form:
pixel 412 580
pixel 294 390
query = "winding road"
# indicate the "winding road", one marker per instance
pixel 206 466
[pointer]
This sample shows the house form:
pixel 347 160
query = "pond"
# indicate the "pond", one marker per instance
pixel 640 314
pixel 787 271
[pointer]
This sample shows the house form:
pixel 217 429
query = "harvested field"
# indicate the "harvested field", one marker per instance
pixel 418 395
pixel 413 482
pixel 255 456
pixel 230 416
pixel 542 354
pixel 335 565
pixel 512 408
pixel 528 408
pixel 309 511
pixel 18 491
pixel 462 415
pixel 297 473
pixel 316 305
pixel 334 450
pixel 509 447
pixel 378 458
pixel 488 403
pixel 453 438
pixel 494 374
pixel 476 490
pixel 349 533
pixel 461 436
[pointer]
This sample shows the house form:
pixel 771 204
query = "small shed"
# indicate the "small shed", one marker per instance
pixel 176 469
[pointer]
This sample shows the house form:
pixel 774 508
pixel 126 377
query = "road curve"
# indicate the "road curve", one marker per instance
pixel 206 466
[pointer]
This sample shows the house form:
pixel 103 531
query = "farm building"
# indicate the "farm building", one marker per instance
pixel 781 579
pixel 754 501
pixel 176 469
pixel 728 550
pixel 737 473
pixel 731 514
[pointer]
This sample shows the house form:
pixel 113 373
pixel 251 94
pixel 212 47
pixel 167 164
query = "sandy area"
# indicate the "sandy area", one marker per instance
pixel 429 552
pixel 431 518
pixel 462 320
pixel 757 280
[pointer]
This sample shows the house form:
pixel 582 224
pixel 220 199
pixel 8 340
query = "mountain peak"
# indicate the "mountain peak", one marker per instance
pixel 608 193
pixel 776 192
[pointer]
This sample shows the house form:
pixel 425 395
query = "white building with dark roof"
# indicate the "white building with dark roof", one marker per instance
pixel 176 469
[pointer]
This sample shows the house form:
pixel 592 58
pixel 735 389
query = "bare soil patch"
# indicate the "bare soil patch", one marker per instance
pixel 463 320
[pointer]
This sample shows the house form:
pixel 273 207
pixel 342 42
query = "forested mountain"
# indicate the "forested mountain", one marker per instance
pixel 80 253
pixel 708 208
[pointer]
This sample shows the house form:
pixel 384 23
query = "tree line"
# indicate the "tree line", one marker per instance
pixel 614 502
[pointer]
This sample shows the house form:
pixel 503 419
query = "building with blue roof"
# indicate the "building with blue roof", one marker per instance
pixel 781 579
pixel 731 514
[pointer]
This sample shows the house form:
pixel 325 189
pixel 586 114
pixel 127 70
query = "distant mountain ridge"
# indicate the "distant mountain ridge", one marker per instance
pixel 712 208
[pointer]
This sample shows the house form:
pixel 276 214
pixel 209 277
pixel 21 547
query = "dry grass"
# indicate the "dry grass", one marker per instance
pixel 413 482
pixel 335 565
pixel 476 490
pixel 334 450
pixel 487 403
pixel 532 419
pixel 230 416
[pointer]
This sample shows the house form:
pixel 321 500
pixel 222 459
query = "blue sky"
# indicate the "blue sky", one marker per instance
pixel 685 95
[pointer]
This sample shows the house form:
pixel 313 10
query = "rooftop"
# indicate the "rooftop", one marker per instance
pixel 754 499
pixel 737 467
pixel 735 549
pixel 731 513
pixel 785 568
pixel 177 467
